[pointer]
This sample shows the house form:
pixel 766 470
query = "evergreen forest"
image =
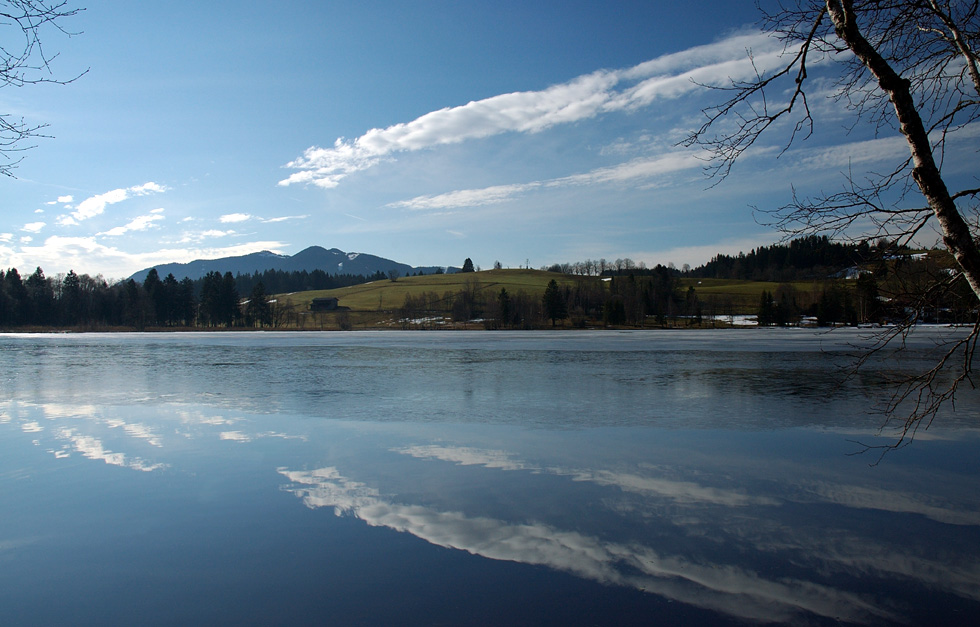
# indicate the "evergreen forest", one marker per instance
pixel 809 280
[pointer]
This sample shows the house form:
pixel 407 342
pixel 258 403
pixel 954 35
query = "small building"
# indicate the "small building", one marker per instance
pixel 323 304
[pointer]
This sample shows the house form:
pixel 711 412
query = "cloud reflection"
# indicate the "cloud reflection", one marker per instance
pixel 240 436
pixel 729 589
pixel 679 491
pixel 687 492
pixel 136 430
pixel 466 456
pixel 92 448
pixel 830 549
pixel 892 501
pixel 235 436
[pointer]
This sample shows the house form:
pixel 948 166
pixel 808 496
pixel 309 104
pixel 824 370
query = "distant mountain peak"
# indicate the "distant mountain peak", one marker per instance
pixel 333 261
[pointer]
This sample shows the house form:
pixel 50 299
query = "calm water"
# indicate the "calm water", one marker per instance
pixel 475 478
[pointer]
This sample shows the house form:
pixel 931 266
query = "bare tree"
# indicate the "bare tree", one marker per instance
pixel 908 67
pixel 24 61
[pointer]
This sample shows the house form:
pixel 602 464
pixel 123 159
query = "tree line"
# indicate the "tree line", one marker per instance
pixel 889 285
pixel 631 300
pixel 825 282
pixel 899 291
pixel 804 258
pixel 215 300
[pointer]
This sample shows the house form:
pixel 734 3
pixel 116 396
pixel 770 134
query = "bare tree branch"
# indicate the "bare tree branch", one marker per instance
pixel 24 61
pixel 907 67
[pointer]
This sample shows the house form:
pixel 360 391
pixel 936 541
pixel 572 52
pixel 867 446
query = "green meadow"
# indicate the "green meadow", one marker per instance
pixel 377 304
pixel 388 295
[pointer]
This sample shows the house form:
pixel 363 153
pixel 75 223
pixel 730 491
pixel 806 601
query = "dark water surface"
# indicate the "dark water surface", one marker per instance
pixel 429 478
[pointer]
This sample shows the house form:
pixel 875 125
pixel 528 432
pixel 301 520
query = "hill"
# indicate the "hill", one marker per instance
pixel 333 262
pixel 382 295
pixel 464 300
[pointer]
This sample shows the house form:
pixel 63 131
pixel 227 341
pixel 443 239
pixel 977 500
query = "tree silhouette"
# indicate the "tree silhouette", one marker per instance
pixel 555 306
pixel 503 301
pixel 258 310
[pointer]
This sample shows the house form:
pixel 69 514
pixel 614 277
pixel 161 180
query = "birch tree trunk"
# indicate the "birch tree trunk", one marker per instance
pixel 925 172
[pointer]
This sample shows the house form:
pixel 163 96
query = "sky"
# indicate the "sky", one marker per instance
pixel 424 132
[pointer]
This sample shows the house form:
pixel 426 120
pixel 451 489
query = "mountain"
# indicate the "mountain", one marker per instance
pixel 331 261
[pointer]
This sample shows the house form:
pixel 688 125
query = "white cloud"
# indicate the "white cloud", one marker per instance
pixel 631 170
pixel 65 220
pixel 584 97
pixel 147 188
pixel 95 205
pixel 114 232
pixel 61 200
pixel 635 169
pixel 200 236
pixel 27 239
pixel 466 197
pixel 860 152
pixel 140 223
pixel 284 219
pixel 6 237
pixel 33 227
pixel 622 146
pixel 234 217
pixel 85 254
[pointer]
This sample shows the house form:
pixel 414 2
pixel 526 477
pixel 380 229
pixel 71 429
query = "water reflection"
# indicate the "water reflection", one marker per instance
pixel 679 491
pixel 726 588
pixel 745 379
pixel 92 447
pixel 747 546
pixel 760 534
pixel 750 516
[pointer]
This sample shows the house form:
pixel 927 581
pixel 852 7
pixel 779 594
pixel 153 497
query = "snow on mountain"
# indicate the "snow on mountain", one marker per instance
pixel 333 261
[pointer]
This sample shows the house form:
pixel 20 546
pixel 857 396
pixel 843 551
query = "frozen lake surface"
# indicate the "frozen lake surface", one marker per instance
pixel 565 478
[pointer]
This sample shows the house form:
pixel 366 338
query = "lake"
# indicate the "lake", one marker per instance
pixel 477 478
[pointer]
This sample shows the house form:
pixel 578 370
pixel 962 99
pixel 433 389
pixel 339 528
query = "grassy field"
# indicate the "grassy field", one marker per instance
pixel 744 296
pixel 389 295
pixel 374 304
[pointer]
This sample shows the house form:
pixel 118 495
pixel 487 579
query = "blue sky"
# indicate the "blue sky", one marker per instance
pixel 426 132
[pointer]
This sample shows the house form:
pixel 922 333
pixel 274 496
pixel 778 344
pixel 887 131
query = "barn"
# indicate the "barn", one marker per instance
pixel 323 304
